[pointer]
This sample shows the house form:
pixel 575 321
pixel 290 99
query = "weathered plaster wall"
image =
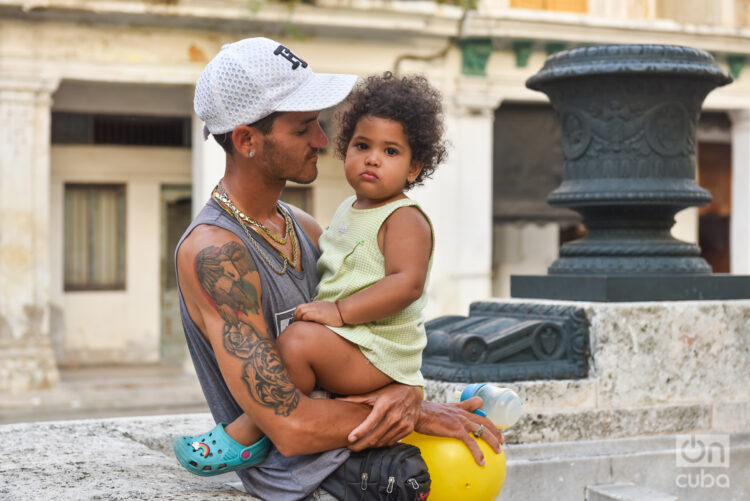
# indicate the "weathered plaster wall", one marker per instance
pixel 115 326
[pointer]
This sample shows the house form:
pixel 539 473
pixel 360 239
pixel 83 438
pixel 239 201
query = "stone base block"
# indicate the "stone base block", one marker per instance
pixel 625 492
pixel 658 353
pixel 630 288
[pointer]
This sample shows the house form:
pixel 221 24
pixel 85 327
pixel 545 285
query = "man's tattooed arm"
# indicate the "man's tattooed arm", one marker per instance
pixel 225 276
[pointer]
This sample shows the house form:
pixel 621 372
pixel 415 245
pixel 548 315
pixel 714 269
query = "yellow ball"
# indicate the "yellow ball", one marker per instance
pixel 454 474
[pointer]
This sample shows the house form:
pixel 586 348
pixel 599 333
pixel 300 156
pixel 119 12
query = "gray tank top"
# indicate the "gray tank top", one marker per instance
pixel 279 477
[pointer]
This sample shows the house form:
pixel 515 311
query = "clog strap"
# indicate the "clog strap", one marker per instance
pixel 232 448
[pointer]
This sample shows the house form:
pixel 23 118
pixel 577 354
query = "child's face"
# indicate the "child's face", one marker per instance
pixel 378 161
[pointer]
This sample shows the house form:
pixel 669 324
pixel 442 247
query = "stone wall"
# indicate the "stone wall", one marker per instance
pixel 655 368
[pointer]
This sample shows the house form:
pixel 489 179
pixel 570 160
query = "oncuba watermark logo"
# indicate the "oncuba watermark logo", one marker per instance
pixel 704 454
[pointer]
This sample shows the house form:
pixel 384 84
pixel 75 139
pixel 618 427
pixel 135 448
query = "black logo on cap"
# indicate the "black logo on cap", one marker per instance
pixel 289 56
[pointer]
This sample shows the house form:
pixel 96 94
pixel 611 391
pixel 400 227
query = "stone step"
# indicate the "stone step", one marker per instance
pixel 625 492
pixel 562 471
pixel 562 411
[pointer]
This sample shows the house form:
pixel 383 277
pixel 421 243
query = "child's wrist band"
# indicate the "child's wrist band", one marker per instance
pixel 338 308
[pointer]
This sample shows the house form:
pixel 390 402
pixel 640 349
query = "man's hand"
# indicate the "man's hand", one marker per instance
pixel 321 312
pixel 395 409
pixel 459 421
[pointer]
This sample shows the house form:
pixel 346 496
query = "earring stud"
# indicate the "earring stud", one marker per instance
pixel 251 154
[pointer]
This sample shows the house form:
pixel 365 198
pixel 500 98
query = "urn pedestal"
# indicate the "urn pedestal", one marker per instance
pixel 628 115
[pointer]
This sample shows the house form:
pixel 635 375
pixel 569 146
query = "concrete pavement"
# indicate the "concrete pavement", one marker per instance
pixel 98 392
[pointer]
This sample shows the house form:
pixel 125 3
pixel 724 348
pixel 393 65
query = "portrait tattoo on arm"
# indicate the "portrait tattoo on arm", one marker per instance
pixel 222 273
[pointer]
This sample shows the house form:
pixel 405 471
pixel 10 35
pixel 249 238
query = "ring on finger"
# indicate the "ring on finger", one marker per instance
pixel 479 431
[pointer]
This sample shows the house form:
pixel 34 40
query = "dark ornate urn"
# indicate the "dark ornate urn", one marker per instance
pixel 628 115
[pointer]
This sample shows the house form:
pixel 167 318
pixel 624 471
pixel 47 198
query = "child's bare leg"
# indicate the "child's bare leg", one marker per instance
pixel 312 353
pixel 243 430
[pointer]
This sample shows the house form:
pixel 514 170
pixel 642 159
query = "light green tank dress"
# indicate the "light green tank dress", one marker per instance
pixel 351 261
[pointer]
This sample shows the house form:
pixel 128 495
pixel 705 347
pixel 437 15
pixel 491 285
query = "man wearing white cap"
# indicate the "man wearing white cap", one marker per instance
pixel 248 260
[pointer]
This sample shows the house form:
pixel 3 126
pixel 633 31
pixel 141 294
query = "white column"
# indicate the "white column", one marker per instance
pixel 739 231
pixel 727 15
pixel 617 9
pixel 26 357
pixel 686 225
pixel 208 165
pixel 459 202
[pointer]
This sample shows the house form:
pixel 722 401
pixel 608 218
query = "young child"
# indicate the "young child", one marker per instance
pixel 365 329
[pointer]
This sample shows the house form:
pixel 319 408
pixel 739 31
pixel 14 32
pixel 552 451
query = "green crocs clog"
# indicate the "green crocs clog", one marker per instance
pixel 216 452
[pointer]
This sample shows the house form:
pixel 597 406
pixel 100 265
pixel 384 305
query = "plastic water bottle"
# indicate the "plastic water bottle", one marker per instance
pixel 501 405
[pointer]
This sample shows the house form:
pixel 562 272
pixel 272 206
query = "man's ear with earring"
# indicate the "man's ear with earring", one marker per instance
pixel 242 139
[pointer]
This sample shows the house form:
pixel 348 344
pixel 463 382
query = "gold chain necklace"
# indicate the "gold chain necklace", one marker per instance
pixel 295 247
pixel 224 197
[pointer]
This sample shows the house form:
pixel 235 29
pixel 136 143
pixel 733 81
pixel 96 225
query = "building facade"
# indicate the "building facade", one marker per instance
pixel 102 160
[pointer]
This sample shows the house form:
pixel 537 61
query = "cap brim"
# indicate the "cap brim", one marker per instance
pixel 321 91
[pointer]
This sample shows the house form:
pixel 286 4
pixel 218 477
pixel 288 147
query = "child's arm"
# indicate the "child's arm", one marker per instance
pixel 406 245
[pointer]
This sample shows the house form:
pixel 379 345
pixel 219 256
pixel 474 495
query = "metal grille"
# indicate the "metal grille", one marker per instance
pixel 133 130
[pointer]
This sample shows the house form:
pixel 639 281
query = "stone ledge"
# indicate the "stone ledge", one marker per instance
pixel 120 458
pixel 131 458
pixel 537 396
pixel 566 410
pixel 609 423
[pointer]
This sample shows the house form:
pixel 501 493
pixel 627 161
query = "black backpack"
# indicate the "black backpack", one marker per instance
pixel 394 473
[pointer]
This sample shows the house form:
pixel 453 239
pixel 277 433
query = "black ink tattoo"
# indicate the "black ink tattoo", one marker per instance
pixel 222 274
pixel 272 386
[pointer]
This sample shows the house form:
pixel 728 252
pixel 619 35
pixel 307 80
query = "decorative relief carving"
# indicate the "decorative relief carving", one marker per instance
pixel 668 130
pixel 576 134
pixel 508 342
pixel 662 130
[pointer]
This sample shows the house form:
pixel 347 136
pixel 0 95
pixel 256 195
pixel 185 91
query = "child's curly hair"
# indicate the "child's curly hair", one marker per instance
pixel 410 101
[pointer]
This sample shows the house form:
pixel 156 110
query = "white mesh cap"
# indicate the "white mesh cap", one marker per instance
pixel 252 78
